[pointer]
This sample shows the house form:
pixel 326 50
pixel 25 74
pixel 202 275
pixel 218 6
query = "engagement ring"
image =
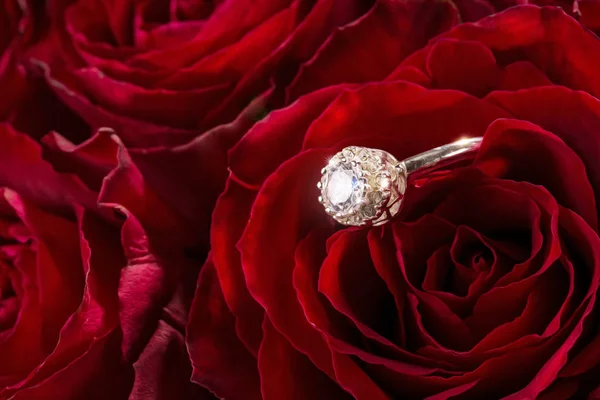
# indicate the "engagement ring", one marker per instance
pixel 362 186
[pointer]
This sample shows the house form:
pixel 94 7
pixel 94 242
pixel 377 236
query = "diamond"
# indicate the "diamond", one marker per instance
pixel 343 184
pixel 362 186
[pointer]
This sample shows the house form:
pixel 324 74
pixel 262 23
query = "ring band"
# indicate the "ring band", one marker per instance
pixel 362 186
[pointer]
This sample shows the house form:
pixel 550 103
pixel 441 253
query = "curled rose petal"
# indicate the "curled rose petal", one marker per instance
pixel 485 284
pixel 86 297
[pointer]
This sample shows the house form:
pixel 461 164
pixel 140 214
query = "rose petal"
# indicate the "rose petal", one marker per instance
pixel 510 145
pixel 288 374
pixel 229 218
pixel 91 160
pixel 218 33
pixel 59 275
pixel 90 335
pixel 467 66
pixel 163 371
pixel 126 188
pixel 159 106
pixel 20 154
pixel 282 132
pixel 219 360
pixel 349 281
pixel 522 75
pixel 370 48
pixel 398 112
pixel 269 274
pixel 350 376
pixel 554 42
pixel 570 115
pixel 281 65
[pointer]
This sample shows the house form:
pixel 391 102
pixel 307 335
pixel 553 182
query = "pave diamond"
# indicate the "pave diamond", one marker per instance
pixel 362 186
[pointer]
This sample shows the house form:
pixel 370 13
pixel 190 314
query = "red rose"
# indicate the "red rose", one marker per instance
pixel 163 73
pixel 91 306
pixel 27 102
pixel 485 286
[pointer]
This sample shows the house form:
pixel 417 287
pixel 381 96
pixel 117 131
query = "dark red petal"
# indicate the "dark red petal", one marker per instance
pixel 90 341
pixel 352 285
pixel 163 370
pixel 590 14
pixel 394 113
pixel 467 66
pixel 24 343
pixel 522 75
pixel 451 393
pixel 474 10
pixel 372 46
pixel 192 195
pixel 126 188
pixel 38 99
pixel 13 80
pixel 229 221
pixel 410 74
pixel 268 245
pixel 99 372
pixel 220 361
pixel 60 275
pixel 582 240
pixel 228 64
pixel 550 370
pixel 556 43
pixel 543 302
pixel 341 333
pixel 147 283
pixel 180 109
pixel 226 26
pixel 521 151
pixel 356 381
pixel 91 160
pixel 572 116
pixel 282 134
pixel 288 374
pixel 281 65
pixel 383 249
pixel 24 170
pixel 416 242
pixel 561 389
pixel 595 395
pixel 129 129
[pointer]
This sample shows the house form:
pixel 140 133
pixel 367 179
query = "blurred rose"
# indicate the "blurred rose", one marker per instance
pixel 12 24
pixel 586 11
pixel 178 81
pixel 484 287
pixel 92 305
pixel 163 72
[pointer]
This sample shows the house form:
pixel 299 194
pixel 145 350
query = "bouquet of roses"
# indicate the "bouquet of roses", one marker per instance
pixel 299 199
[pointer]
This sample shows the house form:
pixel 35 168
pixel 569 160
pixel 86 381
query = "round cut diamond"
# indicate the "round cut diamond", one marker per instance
pixel 362 186
pixel 343 185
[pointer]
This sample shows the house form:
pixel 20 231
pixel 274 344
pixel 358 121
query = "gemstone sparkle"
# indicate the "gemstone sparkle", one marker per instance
pixel 359 185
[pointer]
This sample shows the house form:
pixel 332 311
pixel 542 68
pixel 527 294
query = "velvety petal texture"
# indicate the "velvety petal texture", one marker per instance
pixel 178 82
pixel 160 233
pixel 93 304
pixel 164 72
pixel 485 285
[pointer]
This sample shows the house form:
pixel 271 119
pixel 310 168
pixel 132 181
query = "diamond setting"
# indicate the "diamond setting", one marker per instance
pixel 362 186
